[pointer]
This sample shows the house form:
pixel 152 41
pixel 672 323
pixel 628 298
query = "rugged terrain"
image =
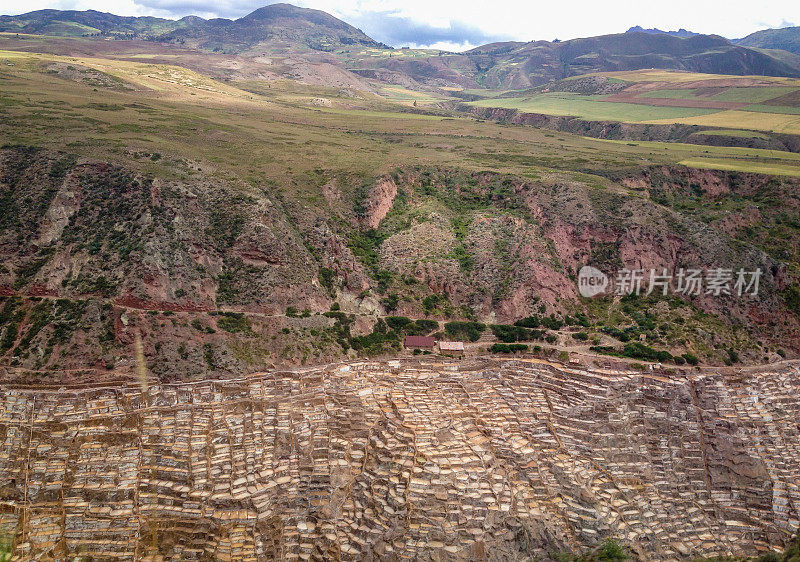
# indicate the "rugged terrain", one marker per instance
pixel 184 204
pixel 427 460
pixel 281 225
pixel 286 31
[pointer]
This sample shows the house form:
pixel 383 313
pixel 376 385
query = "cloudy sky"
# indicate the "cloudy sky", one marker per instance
pixel 460 24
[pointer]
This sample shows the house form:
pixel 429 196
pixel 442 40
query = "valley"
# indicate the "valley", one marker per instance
pixel 231 251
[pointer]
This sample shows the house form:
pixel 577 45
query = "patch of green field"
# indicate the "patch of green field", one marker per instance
pixel 273 135
pixel 590 108
pixel 783 109
pixel 742 166
pixel 485 93
pixel 739 133
pixel 396 53
pixel 742 119
pixel 679 76
pixel 70 28
pixel 610 79
pixel 669 94
pixel 735 94
pixel 678 148
pixel 753 95
pixel 403 95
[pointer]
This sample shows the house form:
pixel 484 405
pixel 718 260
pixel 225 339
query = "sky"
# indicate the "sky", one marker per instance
pixel 462 24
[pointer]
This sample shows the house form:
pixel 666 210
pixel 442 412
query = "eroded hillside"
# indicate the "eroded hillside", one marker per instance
pixel 219 276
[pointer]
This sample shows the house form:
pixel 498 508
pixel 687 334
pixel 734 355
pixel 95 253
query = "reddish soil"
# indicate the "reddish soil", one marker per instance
pixel 130 301
pixel 40 290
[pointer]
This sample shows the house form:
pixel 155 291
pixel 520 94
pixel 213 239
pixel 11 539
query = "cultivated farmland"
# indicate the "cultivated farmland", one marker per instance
pixel 667 97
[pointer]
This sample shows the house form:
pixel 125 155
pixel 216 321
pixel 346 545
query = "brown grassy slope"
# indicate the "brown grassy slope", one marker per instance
pixel 193 194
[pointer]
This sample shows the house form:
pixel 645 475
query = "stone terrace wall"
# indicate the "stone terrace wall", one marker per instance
pixel 404 460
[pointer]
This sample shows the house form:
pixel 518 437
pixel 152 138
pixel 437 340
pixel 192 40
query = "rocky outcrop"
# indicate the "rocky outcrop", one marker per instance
pixel 379 202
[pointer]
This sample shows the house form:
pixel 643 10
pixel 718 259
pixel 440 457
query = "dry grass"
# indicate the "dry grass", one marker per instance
pixel 775 122
pixel 276 136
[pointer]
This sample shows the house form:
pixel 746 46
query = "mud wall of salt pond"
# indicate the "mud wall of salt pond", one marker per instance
pixel 496 459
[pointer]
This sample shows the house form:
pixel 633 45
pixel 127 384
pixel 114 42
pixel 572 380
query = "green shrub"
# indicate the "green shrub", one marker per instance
pixel 580 336
pixel 529 322
pixel 465 330
pixel 326 277
pixel 384 278
pixel 225 226
pixel 390 302
pixel 432 302
pixel 552 323
pixel 426 326
pixel 365 246
pixel 636 350
pixel 208 355
pixel 579 319
pixel 9 337
pixel 791 295
pixel 227 291
pixel 381 340
pixel 234 322
pixel 510 334
pixel 463 257
pixel 508 347
pixel 621 335
pixel 398 322
pixel 690 358
pixel 611 551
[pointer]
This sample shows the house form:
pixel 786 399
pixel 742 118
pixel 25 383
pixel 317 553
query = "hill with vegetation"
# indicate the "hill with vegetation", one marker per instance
pixel 281 29
pixel 660 105
pixel 216 235
pixel 787 39
pixel 277 25
pixel 280 225
pixel 515 65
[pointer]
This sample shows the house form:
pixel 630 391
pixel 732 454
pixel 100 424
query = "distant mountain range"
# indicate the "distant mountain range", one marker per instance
pixel 516 65
pixel 283 29
pixel 787 38
pixel 273 25
pixel 655 31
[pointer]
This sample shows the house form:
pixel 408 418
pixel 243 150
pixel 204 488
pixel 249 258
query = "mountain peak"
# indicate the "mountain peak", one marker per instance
pixel 280 9
pixel 655 31
pixel 290 11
